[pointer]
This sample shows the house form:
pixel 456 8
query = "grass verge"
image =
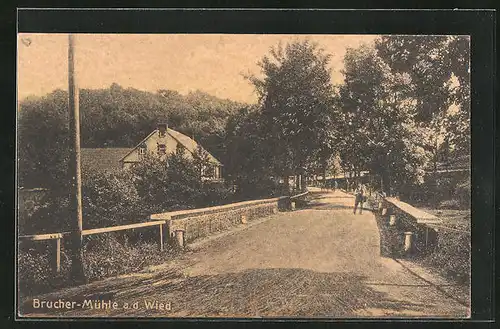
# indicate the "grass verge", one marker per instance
pixel 105 255
pixel 450 256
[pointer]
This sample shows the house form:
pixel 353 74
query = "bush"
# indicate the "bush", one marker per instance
pixel 452 257
pixel 214 194
pixel 463 193
pixel 105 255
pixel 35 274
pixel 111 199
pixel 52 215
pixel 440 192
pixel 257 187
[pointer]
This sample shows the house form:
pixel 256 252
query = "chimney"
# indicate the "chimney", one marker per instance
pixel 162 128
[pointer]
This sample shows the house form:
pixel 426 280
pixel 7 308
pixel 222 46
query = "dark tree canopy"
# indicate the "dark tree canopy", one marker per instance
pixel 112 117
pixel 378 130
pixel 296 98
pixel 439 69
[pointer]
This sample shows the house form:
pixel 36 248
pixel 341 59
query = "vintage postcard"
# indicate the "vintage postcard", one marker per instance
pixel 243 176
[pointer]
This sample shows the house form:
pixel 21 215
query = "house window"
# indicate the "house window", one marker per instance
pixel 162 149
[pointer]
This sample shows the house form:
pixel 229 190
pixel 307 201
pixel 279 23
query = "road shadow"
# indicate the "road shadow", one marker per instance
pixel 283 292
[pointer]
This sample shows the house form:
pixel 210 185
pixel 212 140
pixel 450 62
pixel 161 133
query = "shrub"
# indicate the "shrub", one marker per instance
pixel 213 194
pixel 452 257
pixel 463 193
pixel 110 199
pixel 52 215
pixel 107 255
pixel 35 274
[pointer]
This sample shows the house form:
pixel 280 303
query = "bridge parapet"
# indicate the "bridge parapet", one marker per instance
pixel 416 227
pixel 187 225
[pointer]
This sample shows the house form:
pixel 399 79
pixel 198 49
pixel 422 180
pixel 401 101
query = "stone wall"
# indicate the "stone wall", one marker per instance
pixel 424 237
pixel 197 223
pixel 203 225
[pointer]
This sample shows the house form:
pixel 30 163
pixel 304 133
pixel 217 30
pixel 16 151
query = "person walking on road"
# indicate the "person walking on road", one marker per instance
pixel 360 196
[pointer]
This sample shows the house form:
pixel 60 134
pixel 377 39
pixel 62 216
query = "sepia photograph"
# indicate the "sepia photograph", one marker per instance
pixel 242 176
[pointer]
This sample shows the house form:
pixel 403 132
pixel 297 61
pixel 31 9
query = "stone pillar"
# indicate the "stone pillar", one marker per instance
pixel 408 247
pixel 384 211
pixel 292 205
pixel 392 220
pixel 179 238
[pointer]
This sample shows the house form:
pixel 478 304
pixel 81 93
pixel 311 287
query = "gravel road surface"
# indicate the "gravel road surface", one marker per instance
pixel 320 261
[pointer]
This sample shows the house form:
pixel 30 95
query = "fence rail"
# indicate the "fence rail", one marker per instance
pixel 41 237
pixel 159 220
pixel 122 227
pixel 59 236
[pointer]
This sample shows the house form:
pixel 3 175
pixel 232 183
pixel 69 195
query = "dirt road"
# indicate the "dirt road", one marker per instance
pixel 322 261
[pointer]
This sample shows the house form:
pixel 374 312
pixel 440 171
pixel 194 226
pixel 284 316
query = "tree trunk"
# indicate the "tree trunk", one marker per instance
pixel 324 176
pixel 286 184
pixel 386 183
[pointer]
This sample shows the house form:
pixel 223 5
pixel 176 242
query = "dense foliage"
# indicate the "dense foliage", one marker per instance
pixel 402 108
pixel 438 68
pixel 293 128
pixel 130 196
pixel 405 105
pixel 379 130
pixel 113 117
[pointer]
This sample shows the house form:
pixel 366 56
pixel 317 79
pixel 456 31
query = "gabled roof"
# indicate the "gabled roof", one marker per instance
pixel 184 140
pixel 189 143
pixel 140 143
pixel 102 159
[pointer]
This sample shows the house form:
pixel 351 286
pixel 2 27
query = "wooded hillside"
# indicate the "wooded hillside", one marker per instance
pixel 112 117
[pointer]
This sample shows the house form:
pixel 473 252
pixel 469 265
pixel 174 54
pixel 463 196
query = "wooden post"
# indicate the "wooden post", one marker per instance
pixel 292 205
pixel 57 259
pixel 161 236
pixel 77 274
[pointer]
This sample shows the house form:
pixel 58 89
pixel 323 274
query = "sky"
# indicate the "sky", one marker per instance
pixel 213 63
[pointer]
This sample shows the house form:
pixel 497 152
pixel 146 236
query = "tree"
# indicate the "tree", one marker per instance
pixel 379 132
pixel 43 141
pixel 111 117
pixel 247 155
pixel 439 71
pixel 202 163
pixel 296 99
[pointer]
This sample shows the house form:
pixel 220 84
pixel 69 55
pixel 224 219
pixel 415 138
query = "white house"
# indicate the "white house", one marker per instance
pixel 164 141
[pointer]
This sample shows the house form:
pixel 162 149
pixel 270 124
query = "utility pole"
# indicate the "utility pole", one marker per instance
pixel 77 274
